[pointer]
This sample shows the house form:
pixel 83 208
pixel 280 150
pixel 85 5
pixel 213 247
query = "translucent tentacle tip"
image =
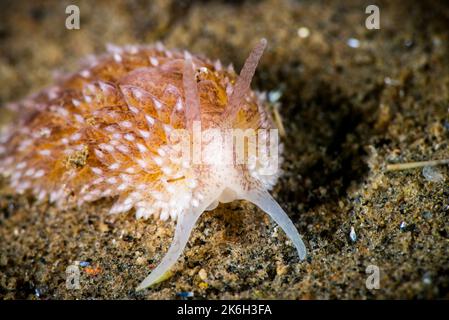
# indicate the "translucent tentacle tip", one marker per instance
pixel 266 202
pixel 184 226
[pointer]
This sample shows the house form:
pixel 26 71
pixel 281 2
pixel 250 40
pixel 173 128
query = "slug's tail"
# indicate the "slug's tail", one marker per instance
pixel 184 226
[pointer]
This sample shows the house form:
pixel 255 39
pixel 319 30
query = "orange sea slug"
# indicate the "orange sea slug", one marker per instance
pixel 106 131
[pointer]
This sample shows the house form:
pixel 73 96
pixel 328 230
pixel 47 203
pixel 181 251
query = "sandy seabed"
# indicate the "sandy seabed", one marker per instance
pixel 352 100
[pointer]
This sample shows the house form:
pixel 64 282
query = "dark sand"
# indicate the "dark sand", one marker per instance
pixel 347 112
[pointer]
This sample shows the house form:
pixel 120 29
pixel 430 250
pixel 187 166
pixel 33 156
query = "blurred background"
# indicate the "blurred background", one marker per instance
pixel 351 100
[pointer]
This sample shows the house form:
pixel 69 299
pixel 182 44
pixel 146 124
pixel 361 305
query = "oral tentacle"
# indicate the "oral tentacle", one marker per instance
pixel 265 201
pixel 184 226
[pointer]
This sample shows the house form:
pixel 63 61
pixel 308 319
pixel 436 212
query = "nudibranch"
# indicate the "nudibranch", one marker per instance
pixel 107 131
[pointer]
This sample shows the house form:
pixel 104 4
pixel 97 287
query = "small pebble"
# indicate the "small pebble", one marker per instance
pixel 303 32
pixel 185 294
pixel 353 43
pixel 84 264
pixel 391 82
pixel 103 227
pixel 408 43
pixel 140 260
pixel 427 279
pixel 446 125
pixel 432 174
pixel 3 260
pixel 203 285
pixel 436 41
pixel 92 271
pixel 275 232
pixel 281 269
pixel 353 235
pixel 202 274
pixel 427 215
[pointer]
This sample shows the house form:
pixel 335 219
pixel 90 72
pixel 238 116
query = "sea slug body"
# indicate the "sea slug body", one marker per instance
pixel 106 131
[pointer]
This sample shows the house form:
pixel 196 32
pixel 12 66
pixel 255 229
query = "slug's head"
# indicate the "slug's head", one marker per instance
pixel 233 145
pixel 248 165
pixel 233 152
